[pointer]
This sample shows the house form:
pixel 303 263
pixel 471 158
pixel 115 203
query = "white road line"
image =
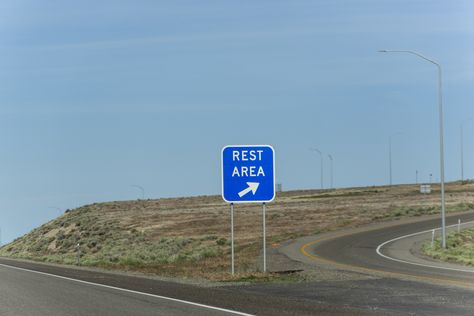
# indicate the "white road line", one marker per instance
pixel 379 248
pixel 130 291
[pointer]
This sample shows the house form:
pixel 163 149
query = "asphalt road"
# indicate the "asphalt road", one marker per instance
pixel 345 270
pixel 359 250
pixel 27 293
pixel 29 288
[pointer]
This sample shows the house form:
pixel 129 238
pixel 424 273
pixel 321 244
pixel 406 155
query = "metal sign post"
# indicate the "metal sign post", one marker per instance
pixel 264 243
pixel 248 176
pixel 232 235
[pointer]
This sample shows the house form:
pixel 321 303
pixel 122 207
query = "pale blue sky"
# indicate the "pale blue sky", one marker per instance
pixel 96 96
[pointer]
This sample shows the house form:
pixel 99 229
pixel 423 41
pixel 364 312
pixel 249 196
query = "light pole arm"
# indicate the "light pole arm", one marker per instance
pixel 321 155
pixel 140 188
pixel 317 150
pixel 411 52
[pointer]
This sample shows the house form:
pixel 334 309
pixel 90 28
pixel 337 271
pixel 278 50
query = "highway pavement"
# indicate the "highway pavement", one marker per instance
pixel 361 282
pixel 348 271
pixel 28 293
pixel 359 250
pixel 28 288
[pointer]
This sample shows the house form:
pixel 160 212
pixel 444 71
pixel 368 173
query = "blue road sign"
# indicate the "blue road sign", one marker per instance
pixel 248 173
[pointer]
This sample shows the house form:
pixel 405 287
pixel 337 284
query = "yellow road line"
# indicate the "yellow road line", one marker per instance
pixel 372 271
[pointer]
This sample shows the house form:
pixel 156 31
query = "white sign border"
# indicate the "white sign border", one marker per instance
pixel 222 174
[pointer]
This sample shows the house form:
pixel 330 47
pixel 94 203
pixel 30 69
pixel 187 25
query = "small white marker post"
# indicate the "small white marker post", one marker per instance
pixel 232 235
pixel 264 242
pixel 459 226
pixel 78 247
pixel 432 238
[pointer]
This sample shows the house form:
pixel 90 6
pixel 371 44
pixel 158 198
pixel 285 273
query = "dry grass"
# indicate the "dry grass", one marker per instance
pixel 189 237
pixel 459 248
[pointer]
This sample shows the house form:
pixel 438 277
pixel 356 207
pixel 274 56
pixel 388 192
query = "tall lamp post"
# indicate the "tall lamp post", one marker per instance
pixel 462 148
pixel 140 188
pixel 332 171
pixel 321 155
pixel 390 155
pixel 441 135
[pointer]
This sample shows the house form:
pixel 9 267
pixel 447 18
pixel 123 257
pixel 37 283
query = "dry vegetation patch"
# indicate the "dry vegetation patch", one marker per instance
pixel 459 248
pixel 189 237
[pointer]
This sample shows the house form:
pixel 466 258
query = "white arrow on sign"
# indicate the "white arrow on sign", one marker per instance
pixel 253 186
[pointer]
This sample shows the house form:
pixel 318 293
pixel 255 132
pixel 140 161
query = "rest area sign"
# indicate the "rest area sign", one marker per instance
pixel 248 173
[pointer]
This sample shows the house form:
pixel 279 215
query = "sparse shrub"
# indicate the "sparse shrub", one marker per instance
pixel 209 237
pixel 221 241
pixel 207 253
pixel 92 244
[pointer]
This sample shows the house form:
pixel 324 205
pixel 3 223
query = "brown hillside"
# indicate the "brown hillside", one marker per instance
pixel 189 237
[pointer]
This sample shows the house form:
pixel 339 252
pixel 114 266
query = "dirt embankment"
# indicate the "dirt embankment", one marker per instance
pixel 189 237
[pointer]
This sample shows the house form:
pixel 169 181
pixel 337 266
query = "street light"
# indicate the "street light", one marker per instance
pixel 141 189
pixel 332 174
pixel 462 149
pixel 441 134
pixel 390 155
pixel 320 154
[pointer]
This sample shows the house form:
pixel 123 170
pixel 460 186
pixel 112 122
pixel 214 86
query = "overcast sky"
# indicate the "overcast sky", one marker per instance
pixel 98 95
